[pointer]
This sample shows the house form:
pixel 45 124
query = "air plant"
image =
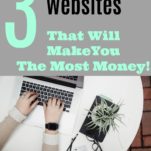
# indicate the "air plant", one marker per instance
pixel 104 115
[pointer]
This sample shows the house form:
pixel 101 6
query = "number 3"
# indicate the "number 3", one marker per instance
pixel 31 26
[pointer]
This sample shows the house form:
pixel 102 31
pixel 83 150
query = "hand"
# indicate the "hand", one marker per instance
pixel 53 112
pixel 27 102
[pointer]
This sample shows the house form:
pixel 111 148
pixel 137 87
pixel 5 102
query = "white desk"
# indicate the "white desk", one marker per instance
pixel 129 89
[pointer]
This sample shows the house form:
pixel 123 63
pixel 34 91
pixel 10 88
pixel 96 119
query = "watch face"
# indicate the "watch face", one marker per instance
pixel 52 126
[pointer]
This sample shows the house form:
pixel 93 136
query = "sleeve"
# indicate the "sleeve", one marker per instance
pixel 9 125
pixel 50 142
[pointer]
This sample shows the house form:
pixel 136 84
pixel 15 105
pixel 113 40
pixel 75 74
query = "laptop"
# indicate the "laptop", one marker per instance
pixel 66 88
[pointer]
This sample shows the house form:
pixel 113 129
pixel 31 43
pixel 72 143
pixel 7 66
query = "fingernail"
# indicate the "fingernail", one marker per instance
pixel 40 103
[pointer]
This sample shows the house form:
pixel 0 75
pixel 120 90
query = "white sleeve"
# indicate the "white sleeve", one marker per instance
pixel 16 115
pixel 51 139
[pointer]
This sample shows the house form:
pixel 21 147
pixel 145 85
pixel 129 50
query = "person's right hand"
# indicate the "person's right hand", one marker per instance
pixel 27 102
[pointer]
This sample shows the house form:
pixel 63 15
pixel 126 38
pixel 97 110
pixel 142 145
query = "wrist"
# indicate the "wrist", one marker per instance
pixel 21 111
pixel 51 132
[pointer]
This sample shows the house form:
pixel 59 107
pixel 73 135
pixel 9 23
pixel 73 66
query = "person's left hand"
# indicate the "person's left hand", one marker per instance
pixel 27 102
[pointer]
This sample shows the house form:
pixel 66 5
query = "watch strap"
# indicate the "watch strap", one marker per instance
pixel 51 126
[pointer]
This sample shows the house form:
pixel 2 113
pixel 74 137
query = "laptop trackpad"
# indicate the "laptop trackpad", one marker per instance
pixel 37 119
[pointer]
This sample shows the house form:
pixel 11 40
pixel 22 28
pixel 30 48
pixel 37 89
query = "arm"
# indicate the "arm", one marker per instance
pixel 53 112
pixel 23 107
pixel 26 103
pixel 9 125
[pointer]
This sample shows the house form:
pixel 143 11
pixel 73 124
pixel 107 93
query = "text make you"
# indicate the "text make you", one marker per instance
pixel 77 51
pixel 95 66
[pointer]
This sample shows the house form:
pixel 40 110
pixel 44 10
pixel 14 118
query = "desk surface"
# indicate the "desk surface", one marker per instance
pixel 127 89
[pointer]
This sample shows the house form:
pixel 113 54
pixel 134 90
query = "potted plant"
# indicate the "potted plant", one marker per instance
pixel 102 115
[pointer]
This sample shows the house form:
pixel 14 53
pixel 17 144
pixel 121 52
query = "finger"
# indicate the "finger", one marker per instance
pixel 54 102
pixel 32 93
pixel 23 95
pixel 28 94
pixel 33 98
pixel 58 103
pixel 44 106
pixel 49 101
pixel 34 105
pixel 62 106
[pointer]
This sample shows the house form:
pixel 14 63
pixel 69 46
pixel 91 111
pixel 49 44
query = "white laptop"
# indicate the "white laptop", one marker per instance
pixel 67 88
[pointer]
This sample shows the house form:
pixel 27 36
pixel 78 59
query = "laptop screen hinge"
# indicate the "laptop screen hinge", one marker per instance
pixel 55 81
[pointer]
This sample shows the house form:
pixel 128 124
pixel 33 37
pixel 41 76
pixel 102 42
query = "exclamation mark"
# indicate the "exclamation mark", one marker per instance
pixel 148 66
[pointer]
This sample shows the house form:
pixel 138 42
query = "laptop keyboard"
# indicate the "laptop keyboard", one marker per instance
pixel 46 92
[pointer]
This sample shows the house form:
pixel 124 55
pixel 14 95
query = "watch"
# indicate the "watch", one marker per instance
pixel 51 126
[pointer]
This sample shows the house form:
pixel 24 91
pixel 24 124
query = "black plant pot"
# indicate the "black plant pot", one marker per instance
pixel 94 133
